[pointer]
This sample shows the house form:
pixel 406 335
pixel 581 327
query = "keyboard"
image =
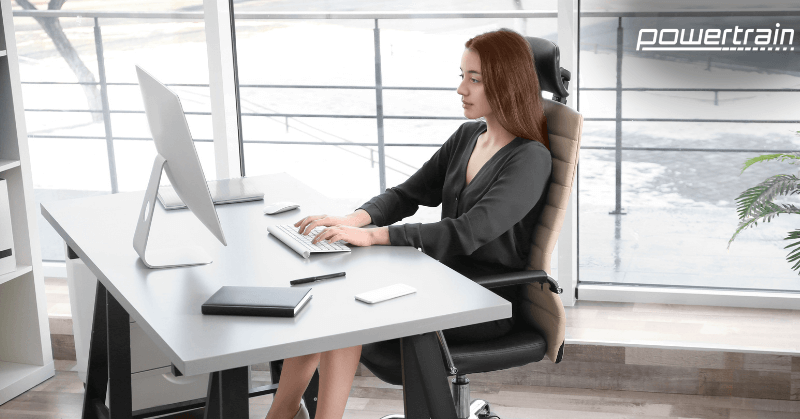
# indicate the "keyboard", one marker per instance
pixel 302 243
pixel 225 191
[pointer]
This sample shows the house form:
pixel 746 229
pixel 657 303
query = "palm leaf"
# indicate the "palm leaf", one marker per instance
pixel 765 213
pixel 756 203
pixel 750 201
pixel 768 157
pixel 794 255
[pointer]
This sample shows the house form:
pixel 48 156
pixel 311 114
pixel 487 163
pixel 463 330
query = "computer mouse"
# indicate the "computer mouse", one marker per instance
pixel 279 207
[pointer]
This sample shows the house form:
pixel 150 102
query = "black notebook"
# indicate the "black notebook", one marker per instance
pixel 257 301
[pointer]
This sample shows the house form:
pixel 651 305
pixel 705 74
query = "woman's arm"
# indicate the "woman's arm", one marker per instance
pixel 354 235
pixel 511 197
pixel 359 218
pixel 345 228
pixel 422 188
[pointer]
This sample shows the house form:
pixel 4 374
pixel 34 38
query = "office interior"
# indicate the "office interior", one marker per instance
pixel 666 314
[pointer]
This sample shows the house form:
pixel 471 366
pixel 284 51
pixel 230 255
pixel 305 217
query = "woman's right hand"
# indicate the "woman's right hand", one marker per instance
pixel 356 219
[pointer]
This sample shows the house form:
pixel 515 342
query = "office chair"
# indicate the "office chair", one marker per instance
pixel 543 327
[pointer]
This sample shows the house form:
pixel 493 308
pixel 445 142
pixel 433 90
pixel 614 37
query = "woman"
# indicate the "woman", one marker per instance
pixel 490 178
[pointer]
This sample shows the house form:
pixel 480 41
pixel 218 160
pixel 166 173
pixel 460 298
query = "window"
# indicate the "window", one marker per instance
pixel 80 146
pixel 678 137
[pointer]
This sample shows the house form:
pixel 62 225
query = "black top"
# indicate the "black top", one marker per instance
pixel 486 226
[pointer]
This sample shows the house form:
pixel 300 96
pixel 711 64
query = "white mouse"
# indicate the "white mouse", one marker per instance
pixel 279 207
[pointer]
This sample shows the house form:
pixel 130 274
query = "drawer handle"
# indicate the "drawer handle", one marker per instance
pixel 180 380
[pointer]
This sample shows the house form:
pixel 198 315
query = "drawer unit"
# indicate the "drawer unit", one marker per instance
pixel 159 387
pixel 145 355
pixel 152 382
pixel 82 289
pixel 82 286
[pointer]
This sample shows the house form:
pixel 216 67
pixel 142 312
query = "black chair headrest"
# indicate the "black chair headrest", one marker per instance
pixel 546 56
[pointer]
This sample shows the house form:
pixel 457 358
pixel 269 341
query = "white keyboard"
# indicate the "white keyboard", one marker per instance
pixel 385 293
pixel 302 243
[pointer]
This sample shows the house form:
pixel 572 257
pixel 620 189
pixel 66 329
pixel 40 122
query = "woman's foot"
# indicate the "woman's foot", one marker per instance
pixel 302 413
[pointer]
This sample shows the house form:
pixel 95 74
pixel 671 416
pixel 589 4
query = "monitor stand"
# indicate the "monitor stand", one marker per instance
pixel 165 257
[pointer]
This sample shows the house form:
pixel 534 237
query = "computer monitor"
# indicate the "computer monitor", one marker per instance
pixel 178 158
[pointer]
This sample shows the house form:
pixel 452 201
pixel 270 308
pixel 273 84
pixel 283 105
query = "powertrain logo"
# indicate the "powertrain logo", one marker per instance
pixel 736 39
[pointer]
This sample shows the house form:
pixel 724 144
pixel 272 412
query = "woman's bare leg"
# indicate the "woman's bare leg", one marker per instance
pixel 336 372
pixel 337 369
pixel 296 374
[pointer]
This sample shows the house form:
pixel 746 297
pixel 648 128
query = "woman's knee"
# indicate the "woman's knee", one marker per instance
pixel 349 352
pixel 303 359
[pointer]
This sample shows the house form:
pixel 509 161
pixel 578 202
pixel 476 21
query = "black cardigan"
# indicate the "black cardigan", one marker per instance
pixel 484 224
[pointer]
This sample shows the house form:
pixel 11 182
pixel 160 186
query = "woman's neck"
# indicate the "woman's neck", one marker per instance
pixel 495 133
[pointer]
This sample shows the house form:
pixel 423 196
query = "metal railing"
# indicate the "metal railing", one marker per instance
pixel 380 117
pixel 619 119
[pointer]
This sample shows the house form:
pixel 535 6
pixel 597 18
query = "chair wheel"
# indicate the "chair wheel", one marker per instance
pixel 486 413
pixel 479 409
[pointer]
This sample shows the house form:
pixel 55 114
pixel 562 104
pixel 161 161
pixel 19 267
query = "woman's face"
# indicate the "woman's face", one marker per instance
pixel 473 98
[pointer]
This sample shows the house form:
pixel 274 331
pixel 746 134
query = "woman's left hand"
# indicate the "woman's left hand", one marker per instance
pixel 353 235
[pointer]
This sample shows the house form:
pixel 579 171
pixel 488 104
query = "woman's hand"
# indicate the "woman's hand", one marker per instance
pixel 359 218
pixel 353 235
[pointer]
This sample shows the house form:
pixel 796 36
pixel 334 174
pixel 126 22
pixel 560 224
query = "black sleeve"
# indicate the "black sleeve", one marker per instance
pixel 515 192
pixel 423 188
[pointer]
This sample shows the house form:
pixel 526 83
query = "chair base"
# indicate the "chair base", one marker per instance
pixel 478 409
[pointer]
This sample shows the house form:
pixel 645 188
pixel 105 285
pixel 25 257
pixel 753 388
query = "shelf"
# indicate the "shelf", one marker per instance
pixel 21 342
pixel 16 379
pixel 21 270
pixel 8 164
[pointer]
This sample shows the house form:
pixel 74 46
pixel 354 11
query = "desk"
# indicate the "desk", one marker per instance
pixel 166 303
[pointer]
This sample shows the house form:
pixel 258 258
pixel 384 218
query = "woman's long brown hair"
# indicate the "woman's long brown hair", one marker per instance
pixel 511 84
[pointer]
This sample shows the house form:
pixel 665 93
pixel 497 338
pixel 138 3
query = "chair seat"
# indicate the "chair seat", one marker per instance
pixel 519 347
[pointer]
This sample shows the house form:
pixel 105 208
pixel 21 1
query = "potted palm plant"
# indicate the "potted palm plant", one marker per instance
pixel 757 204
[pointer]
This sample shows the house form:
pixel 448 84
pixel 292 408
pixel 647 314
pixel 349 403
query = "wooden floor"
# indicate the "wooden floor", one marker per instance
pixel 734 329
pixel 61 397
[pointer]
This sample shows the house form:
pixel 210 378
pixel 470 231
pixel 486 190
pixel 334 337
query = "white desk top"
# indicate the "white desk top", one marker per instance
pixel 166 303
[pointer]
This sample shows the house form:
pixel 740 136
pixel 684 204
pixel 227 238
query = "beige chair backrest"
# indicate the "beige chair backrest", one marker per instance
pixel 541 307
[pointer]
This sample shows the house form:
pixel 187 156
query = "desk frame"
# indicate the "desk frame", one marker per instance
pixel 426 393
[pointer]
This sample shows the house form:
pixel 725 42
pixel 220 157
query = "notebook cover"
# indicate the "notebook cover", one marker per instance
pixel 257 301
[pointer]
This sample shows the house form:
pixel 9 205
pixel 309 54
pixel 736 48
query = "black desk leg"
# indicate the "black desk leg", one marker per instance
pixel 426 393
pixel 109 361
pixel 119 360
pixel 228 395
pixel 212 398
pixel 97 370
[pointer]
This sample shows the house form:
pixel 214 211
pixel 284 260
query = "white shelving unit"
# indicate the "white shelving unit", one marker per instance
pixel 8 164
pixel 26 357
pixel 21 270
